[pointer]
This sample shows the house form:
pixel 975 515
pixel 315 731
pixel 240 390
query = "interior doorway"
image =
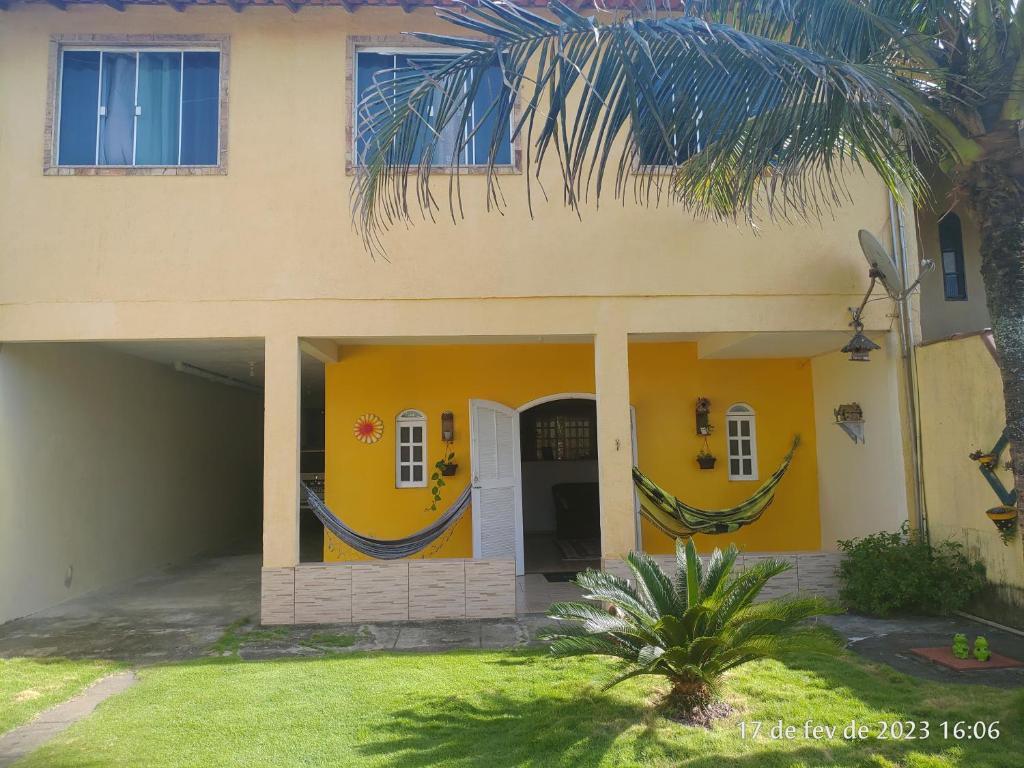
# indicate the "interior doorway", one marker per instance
pixel 560 492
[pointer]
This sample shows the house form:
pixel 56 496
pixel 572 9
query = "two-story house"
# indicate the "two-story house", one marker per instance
pixel 190 324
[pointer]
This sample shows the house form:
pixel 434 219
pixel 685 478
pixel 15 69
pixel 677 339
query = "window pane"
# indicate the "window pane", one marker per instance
pixel 417 474
pixel 403 474
pixel 747 467
pixel 79 90
pixel 745 448
pixel 732 428
pixel 404 454
pixel 734 466
pixel 734 447
pixel 404 434
pixel 949 261
pixel 745 428
pixel 491 86
pixel 369 66
pixel 200 108
pixel 117 108
pixel 159 102
pixel 417 434
pixel 449 138
pixel 417 453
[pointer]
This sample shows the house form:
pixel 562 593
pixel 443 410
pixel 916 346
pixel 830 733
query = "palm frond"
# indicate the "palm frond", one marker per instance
pixel 602 586
pixel 718 569
pixel 770 124
pixel 653 586
pixel 586 645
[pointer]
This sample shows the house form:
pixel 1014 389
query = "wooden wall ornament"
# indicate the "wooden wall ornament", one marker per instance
pixel 368 429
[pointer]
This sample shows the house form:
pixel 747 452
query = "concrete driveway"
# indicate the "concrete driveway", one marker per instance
pixel 174 614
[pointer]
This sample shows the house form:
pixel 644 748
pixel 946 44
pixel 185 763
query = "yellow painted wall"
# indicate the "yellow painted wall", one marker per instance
pixel 962 410
pixel 665 380
pixel 385 380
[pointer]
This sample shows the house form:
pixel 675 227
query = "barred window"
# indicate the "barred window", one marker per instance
pixel 742 437
pixel 563 438
pixel 410 450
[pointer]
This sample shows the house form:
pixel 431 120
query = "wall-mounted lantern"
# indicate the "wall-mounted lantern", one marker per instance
pixel 860 347
pixel 850 419
pixel 447 426
pixel 704 427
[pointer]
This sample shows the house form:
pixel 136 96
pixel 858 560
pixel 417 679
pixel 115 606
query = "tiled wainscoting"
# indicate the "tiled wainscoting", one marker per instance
pixel 400 590
pixel 813 572
pixel 412 590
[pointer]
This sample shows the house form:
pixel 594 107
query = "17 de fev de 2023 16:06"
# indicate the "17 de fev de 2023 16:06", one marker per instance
pixel 899 730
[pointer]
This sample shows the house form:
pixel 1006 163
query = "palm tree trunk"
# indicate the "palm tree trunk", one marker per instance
pixel 688 696
pixel 997 200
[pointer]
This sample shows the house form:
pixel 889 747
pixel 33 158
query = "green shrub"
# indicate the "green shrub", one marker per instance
pixel 887 573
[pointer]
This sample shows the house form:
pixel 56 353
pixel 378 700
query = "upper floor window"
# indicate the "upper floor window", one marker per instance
pixel 375 68
pixel 410 450
pixel 125 107
pixel 685 110
pixel 951 245
pixel 742 437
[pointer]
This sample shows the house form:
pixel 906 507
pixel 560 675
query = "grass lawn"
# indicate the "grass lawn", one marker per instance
pixel 491 710
pixel 28 686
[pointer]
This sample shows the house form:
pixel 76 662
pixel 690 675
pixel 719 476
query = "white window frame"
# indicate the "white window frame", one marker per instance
pixel 469 159
pixel 740 413
pixel 410 418
pixel 136 50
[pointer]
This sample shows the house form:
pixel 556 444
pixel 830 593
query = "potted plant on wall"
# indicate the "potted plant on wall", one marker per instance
pixel 705 459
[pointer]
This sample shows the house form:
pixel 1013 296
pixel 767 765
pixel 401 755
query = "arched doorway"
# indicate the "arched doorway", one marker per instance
pixel 541 504
pixel 559 480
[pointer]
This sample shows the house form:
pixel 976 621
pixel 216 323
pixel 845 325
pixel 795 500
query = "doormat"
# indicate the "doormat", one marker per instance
pixel 579 549
pixel 945 657
pixel 561 576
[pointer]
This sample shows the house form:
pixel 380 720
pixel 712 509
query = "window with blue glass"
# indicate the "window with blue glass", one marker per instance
pixel 951 245
pixel 687 108
pixel 121 107
pixel 373 71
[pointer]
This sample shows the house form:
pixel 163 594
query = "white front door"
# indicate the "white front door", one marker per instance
pixel 497 495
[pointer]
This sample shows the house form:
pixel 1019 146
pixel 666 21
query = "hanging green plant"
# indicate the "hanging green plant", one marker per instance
pixel 443 468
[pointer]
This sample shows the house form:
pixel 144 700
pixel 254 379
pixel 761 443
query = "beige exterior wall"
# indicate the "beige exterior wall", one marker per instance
pixel 962 404
pixel 862 487
pixel 111 466
pixel 268 247
pixel 941 319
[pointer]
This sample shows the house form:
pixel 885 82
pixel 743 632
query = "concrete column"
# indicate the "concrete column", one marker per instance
pixel 281 453
pixel 615 442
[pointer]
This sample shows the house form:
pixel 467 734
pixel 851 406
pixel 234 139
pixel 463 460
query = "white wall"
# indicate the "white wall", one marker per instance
pixel 862 487
pixel 112 466
pixel 538 477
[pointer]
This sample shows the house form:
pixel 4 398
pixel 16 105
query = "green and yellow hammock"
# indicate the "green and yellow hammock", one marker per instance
pixel 680 520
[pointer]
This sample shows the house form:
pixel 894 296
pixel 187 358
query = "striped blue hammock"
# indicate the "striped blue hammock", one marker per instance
pixel 387 549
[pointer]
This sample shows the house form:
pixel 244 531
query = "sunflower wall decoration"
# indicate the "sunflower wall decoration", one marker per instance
pixel 368 429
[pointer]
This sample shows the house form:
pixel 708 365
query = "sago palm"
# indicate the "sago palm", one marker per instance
pixel 691 630
pixel 757 107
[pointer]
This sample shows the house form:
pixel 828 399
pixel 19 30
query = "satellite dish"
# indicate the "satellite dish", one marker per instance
pixel 881 262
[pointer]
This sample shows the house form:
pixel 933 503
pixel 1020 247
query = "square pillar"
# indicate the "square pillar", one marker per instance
pixel 615 443
pixel 281 408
